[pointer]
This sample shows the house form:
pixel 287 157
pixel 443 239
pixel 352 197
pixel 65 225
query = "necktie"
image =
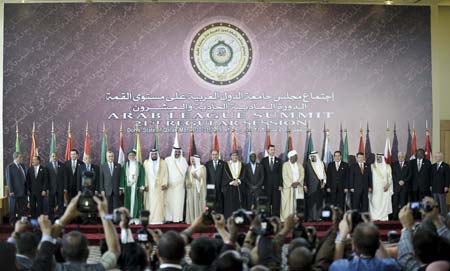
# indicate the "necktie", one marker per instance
pixel 401 165
pixel 337 166
pixel 271 163
pixel 111 170
pixel 362 168
pixel 36 170
pixel 420 164
pixel 89 168
pixel 74 166
pixel 215 165
pixel 21 170
pixel 55 167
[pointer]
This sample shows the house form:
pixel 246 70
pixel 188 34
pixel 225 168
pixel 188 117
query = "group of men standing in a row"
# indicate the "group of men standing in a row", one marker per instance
pixel 174 192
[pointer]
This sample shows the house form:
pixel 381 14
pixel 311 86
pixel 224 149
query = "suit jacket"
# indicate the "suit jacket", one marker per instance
pixel 214 176
pixel 16 180
pixel 254 181
pixel 361 182
pixel 337 180
pixel 95 170
pixel 73 178
pixel 57 181
pixel 107 182
pixel 440 177
pixel 272 178
pixel 401 174
pixel 37 184
pixel 420 180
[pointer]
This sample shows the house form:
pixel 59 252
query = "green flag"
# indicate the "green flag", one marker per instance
pixel 17 139
pixel 345 154
pixel 52 143
pixel 309 146
pixel 104 146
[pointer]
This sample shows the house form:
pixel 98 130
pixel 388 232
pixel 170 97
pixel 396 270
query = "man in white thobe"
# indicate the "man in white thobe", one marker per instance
pixel 195 190
pixel 292 192
pixel 380 204
pixel 177 167
pixel 155 187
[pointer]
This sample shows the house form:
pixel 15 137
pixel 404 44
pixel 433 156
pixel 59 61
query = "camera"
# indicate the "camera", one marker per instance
pixel 326 214
pixel 86 204
pixel 210 202
pixel 262 208
pixel 425 206
pixel 356 218
pixel 143 234
pixel 241 217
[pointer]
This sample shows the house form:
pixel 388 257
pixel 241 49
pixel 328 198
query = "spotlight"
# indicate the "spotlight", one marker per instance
pixel 388 2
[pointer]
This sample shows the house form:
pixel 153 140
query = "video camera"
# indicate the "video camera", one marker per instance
pixel 210 203
pixel 144 236
pixel 262 210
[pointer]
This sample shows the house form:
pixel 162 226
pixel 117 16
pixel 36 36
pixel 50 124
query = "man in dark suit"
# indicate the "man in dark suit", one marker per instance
pixel 360 183
pixel 16 180
pixel 440 181
pixel 57 185
pixel 420 178
pixel 89 167
pixel 255 180
pixel 401 176
pixel 273 177
pixel 109 181
pixel 337 180
pixel 73 176
pixel 214 172
pixel 37 184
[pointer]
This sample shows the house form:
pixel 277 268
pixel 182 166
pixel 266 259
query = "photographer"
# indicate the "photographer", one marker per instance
pixel 74 246
pixel 416 251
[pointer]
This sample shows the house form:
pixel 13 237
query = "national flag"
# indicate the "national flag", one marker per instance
pixel 310 146
pixel 234 145
pixel 267 143
pixel 413 144
pixel 395 145
pixel 87 143
pixel 192 147
pixel 121 156
pixel 341 140
pixel 176 140
pixel 104 148
pixel 69 144
pixel 408 144
pixel 368 154
pixel 156 139
pixel 215 142
pixel 52 143
pixel 17 139
pixel 427 144
pixel 289 144
pixel 249 145
pixel 361 142
pixel 326 153
pixel 34 150
pixel 137 146
pixel 345 152
pixel 387 148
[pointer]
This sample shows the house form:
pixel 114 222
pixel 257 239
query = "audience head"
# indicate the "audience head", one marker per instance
pixel 259 268
pixel 75 247
pixel 7 256
pixel 429 247
pixel 230 260
pixel 300 259
pixel 27 244
pixel 299 242
pixel 171 248
pixel 203 251
pixel 366 239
